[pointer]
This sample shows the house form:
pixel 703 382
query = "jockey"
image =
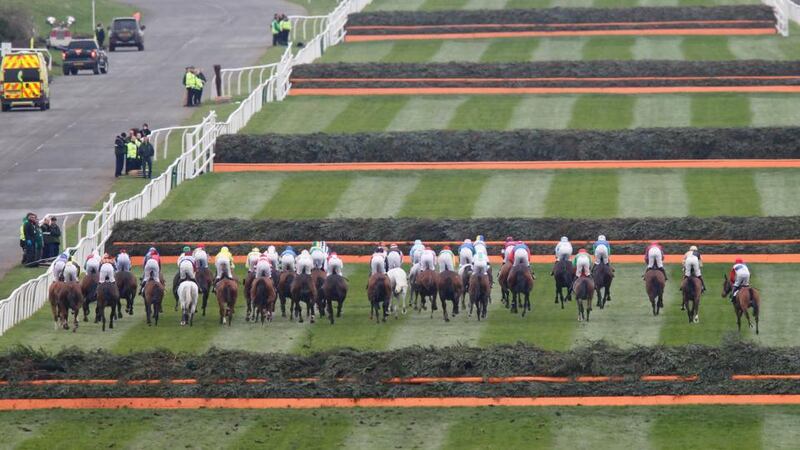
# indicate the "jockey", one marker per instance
pixel 416 251
pixel 522 254
pixel 481 263
pixel 335 265
pixel 446 259
pixel 107 259
pixel 427 260
pixel 602 250
pixel 151 253
pixel 508 249
pixel 304 263
pixel 187 266
pixel 466 254
pixel 252 259
pixel 92 263
pixel 200 256
pixel 123 261
pixel 480 245
pixel 224 264
pixel 70 273
pixel 582 263
pixel 395 257
pixel 288 257
pixel 272 255
pixel 151 263
pixel 654 258
pixel 263 267
pixel 318 255
pixel 107 272
pixel 739 276
pixel 377 264
pixel 692 262
pixel 59 264
pixel 563 249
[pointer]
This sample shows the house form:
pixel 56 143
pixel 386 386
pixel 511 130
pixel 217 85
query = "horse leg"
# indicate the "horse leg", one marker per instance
pixel 444 310
pixel 249 311
pixel 559 295
pixel 75 312
pixel 738 317
pixel 330 310
pixel 747 316
pixel 310 309
pixel 579 304
pixel 514 299
pixel 102 313
pixel 147 311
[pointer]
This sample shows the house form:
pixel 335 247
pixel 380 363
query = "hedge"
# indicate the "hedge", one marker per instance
pixel 516 145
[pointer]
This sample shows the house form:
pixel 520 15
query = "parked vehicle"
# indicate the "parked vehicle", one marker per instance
pixel 84 54
pixel 25 81
pixel 126 32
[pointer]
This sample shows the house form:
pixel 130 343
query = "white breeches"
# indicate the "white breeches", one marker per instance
pixel 427 261
pixel 480 248
pixel 377 264
pixel 287 262
pixel 481 266
pixel 223 267
pixel 186 270
pixel 202 259
pixel 394 260
pixel 304 264
pixel 70 273
pixel 691 264
pixel 601 255
pixel 655 258
pixel 123 262
pixel 151 270
pixel 93 265
pixel 107 273
pixel 274 259
pixel 58 268
pixel 521 257
pixel 563 251
pixel 263 269
pixel 335 265
pixel 742 279
pixel 252 260
pixel 465 257
pixel 446 262
pixel 583 266
pixel 318 257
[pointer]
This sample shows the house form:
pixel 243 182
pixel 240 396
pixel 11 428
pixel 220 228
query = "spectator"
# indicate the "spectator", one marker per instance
pixel 132 155
pixel 146 152
pixel 276 30
pixel 188 83
pixel 100 34
pixel 55 238
pixel 119 153
pixel 45 228
pixel 286 28
pixel 200 84
pixel 27 238
pixel 145 130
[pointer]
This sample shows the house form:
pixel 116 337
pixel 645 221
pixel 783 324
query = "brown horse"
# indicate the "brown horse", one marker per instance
pixel 564 275
pixel 318 278
pixel 692 289
pixel 89 292
pixel 520 282
pixel 479 289
pixel 262 295
pixel 70 298
pixel 584 293
pixel 502 278
pixel 126 284
pixel 335 288
pixel 285 290
pixel 303 290
pixel 449 287
pixel 747 297
pixel 379 293
pixel 466 276
pixel 227 290
pixel 654 282
pixel 204 280
pixel 248 288
pixel 426 287
pixel 603 275
pixel 54 295
pixel 153 296
pixel 107 296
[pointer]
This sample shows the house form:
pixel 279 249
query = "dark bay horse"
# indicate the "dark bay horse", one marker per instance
pixel 89 292
pixel 520 283
pixel 379 293
pixel 564 275
pixel 248 288
pixel 502 278
pixel 692 289
pixel 584 294
pixel 285 280
pixel 479 289
pixel 449 287
pixel 466 275
pixel 262 296
pixel 654 282
pixel 427 289
pixel 603 275
pixel 107 296
pixel 318 278
pixel 335 288
pixel 227 291
pixel 303 290
pixel 153 296
pixel 746 298
pixel 126 284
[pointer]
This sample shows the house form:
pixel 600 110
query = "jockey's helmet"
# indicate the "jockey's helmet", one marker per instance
pixel 122 250
pixel 693 248
pixel 203 246
pixel 739 261
pixel 564 239
pixel 654 243
pixel 417 242
pixel 224 250
pixel 393 246
pixel 468 241
pixel 289 248
pixel 509 239
pixel 151 250
pixel 186 249
pixel 479 238
pixel 255 250
pixel 602 237
pixel 583 250
pixel 446 247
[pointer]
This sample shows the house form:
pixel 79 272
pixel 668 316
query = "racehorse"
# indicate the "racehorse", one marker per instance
pixel 107 295
pixel 285 280
pixel 335 288
pixel 747 297
pixel 379 293
pixel 318 278
pixel 227 290
pixel 54 295
pixel 426 288
pixel 564 275
pixel 126 284
pixel 188 293
pixel 204 281
pixel 263 297
pixel 602 276
pixel 520 281
pixel 654 282
pixel 466 274
pixel 584 293
pixel 68 298
pixel 502 278
pixel 479 289
pixel 692 289
pixel 89 291
pixel 399 282
pixel 248 287
pixel 303 290
pixel 449 287
pixel 153 296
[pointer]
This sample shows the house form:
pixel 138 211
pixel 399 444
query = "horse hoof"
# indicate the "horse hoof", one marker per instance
pixel 580 319
pixel 696 319
pixel 404 311
pixel 752 326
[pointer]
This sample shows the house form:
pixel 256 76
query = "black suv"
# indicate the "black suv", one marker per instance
pixel 126 32
pixel 84 54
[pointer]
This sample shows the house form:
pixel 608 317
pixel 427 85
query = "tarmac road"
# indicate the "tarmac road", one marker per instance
pixel 63 159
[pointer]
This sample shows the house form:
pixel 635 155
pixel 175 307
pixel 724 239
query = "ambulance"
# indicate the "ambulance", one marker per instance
pixel 25 81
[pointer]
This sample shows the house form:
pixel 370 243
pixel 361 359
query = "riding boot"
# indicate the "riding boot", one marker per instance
pixel 684 279
pixel 664 272
pixel 702 283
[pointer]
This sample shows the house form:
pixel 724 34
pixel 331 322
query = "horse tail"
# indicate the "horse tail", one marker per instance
pixel 690 288
pixel 261 289
pixel 754 300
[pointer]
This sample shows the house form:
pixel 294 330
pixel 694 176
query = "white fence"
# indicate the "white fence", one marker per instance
pixel 197 156
pixel 785 10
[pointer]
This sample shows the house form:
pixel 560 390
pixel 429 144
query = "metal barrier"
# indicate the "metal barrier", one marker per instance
pixel 197 158
pixel 785 10
pixel 233 80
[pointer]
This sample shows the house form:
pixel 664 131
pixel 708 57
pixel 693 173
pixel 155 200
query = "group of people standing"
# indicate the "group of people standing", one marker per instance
pixel 281 27
pixel 194 80
pixel 39 241
pixel 134 151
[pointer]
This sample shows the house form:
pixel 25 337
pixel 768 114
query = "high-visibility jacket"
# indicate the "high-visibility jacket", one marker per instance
pixel 190 80
pixel 198 82
pixel 286 25
pixel 276 26
pixel 133 150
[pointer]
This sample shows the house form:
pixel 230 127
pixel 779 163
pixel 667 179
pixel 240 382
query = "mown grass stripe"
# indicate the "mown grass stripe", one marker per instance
pixel 615 3
pixel 676 429
pixel 461 50
pixel 583 194
pixel 485 4
pixel 525 4
pixel 422 430
pixel 509 50
pixel 391 5
pixel 297 115
pixel 484 113
pixel 662 111
pixel 706 48
pixel 722 193
pixel 375 196
pixel 367 114
pixel 557 49
pixel 589 429
pixel 412 51
pixel 603 112
pixel 611 47
pixel 721 110
pixel 296 430
pixel 652 193
pixel 358 52
pixel 426 113
pixel 169 427
pixel 443 4
pixel 291 201
pixel 629 305
pixel 779 429
pixel 774 111
pixel 756 47
pixel 513 428
pixel 81 431
pixel 224 197
pixel 779 308
pixel 514 194
pixel 450 195
pixel 658 47
pixel 424 329
pixel 543 111
pixel 779 191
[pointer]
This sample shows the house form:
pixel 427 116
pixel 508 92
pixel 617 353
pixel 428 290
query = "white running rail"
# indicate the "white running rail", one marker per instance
pixel 197 158
pixel 785 11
